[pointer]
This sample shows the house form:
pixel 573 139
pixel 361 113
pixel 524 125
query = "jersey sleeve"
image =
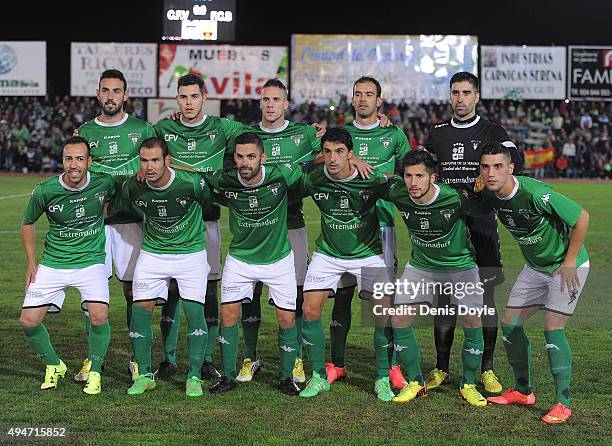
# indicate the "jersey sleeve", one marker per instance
pixel 292 174
pixel 392 184
pixel 403 146
pixel 552 203
pixel 148 131
pixel 379 184
pixel 112 188
pixel 473 203
pixel 430 144
pixel 212 178
pixel 232 128
pixel 315 143
pixel 36 206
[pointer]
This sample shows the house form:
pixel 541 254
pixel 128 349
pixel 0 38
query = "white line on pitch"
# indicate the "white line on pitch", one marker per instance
pixel 8 197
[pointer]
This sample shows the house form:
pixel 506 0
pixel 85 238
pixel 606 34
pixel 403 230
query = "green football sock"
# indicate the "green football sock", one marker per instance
pixel 197 333
pixel 38 338
pixel 169 325
pixel 129 303
pixel 560 360
pixel 287 347
pixel 141 334
pixel 471 354
pixel 314 340
pixel 518 350
pixel 251 320
pixel 228 339
pixel 211 315
pixel 382 339
pixel 408 353
pixel 99 338
pixel 340 324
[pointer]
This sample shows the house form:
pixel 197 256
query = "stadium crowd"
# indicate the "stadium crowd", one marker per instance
pixel 575 133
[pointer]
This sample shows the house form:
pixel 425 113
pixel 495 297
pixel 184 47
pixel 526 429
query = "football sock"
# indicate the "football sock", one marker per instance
pixel 471 354
pixel 299 319
pixel 197 334
pixel 408 353
pixel 518 350
pixel 99 338
pixel 38 338
pixel 382 339
pixel 251 320
pixel 340 324
pixel 287 348
pixel 211 313
pixel 141 334
pixel 228 340
pixel 444 333
pixel 314 340
pixel 489 329
pixel 560 360
pixel 169 325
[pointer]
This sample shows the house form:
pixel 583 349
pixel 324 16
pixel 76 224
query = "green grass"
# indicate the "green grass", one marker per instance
pixel 258 413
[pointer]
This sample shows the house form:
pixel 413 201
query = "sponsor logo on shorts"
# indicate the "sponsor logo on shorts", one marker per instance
pixel 140 285
pixel 230 289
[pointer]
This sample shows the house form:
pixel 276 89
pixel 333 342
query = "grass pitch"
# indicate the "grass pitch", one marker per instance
pixel 257 412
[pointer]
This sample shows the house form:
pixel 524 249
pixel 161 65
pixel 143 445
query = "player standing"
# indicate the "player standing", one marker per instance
pixel 256 195
pixel 442 259
pixel 383 148
pixel 73 257
pixel 456 145
pixel 114 138
pixel 349 243
pixel 170 202
pixel 196 142
pixel 550 230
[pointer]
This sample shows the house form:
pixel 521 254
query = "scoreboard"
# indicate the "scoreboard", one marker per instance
pixel 199 20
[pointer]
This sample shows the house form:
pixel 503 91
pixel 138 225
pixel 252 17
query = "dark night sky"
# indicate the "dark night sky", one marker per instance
pixel 542 22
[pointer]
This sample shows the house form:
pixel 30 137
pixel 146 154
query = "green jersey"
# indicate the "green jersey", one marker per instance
pixel 349 223
pixel 540 220
pixel 258 213
pixel 200 146
pixel 382 148
pixel 114 149
pixel 76 220
pixel 438 233
pixel 292 143
pixel 172 214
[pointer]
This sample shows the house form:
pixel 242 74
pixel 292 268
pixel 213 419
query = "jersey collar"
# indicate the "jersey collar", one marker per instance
pixel 349 178
pixel 194 124
pixel 112 124
pixel 259 183
pixel 280 129
pixel 435 196
pixel 366 127
pixel 73 189
pixel 470 123
pixel 514 190
pixel 172 175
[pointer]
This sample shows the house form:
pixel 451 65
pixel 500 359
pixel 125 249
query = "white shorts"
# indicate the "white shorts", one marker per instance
pixel 213 249
pixel 389 246
pixel 324 272
pixel 421 286
pixel 123 243
pixel 154 271
pixel 536 289
pixel 49 288
pixel 239 279
pixel 299 245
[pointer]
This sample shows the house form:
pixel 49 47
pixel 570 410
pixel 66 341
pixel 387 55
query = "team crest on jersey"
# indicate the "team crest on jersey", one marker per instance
pixel 183 201
pixel 475 143
pixel 447 213
pixel 134 137
pixel 191 144
pixel 212 135
pixel 385 140
pixel 297 139
pixel 363 149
